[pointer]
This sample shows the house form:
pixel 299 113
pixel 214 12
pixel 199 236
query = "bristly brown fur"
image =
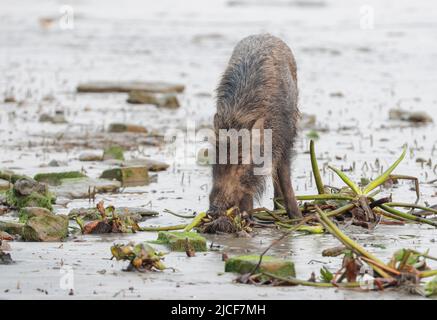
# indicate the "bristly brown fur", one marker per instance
pixel 258 88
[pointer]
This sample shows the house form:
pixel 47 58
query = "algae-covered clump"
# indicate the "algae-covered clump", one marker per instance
pixel 113 152
pixel 29 193
pixel 46 228
pixel 11 176
pixel 128 176
pixel 55 178
pixel 39 224
pixel 248 263
pixel 177 241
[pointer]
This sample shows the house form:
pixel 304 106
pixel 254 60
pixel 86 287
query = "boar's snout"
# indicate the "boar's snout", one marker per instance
pixel 213 211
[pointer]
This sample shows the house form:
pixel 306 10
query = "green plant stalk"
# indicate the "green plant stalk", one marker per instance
pixel 274 216
pixel 316 171
pixel 348 242
pixel 309 229
pixel 196 221
pixel 80 223
pixel 178 215
pixel 340 210
pixel 294 281
pixel 428 273
pixel 383 177
pixel 276 201
pixel 425 255
pixel 407 216
pixel 346 180
pixel 324 197
pixel 388 215
pixel 165 228
pixel 410 205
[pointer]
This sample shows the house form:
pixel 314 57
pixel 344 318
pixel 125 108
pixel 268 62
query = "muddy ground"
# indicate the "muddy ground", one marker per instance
pixel 348 77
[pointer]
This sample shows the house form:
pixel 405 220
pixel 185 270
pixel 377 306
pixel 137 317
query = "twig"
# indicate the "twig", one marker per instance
pixel 294 281
pixel 407 216
pixel 165 228
pixel 411 205
pixel 178 215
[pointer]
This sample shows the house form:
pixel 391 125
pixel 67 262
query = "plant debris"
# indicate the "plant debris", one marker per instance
pixel 357 204
pixel 360 269
pixel 5 258
pixel 108 222
pixel 233 221
pixel 142 257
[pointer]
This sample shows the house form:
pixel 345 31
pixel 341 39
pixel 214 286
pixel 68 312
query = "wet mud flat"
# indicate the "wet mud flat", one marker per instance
pixel 350 79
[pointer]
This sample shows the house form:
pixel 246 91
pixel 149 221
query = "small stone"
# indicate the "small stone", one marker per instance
pixel 11 227
pixel 5 258
pixel 152 165
pixel 246 264
pixel 160 100
pixel 128 176
pixel 113 152
pixel 11 176
pixel 25 187
pixel 136 214
pixel 5 236
pixel 57 118
pixel 54 163
pixel 81 188
pixel 28 212
pixel 177 240
pixel 46 228
pixel 45 118
pixel 4 185
pixel 113 86
pixel 89 156
pixel 55 178
pixel 9 99
pixel 122 127
pixel 308 121
pixel 337 94
pixel 420 116
pixel 414 116
pixel 203 157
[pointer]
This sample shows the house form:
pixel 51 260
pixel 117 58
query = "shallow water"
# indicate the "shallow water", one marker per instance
pixel 189 42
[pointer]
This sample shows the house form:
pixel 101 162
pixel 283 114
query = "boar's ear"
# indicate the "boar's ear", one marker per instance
pixel 216 123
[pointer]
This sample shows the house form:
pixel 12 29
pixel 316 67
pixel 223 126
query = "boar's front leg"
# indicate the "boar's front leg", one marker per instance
pixel 284 180
pixel 246 203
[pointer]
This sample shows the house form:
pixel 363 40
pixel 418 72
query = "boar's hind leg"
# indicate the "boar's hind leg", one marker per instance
pixel 246 203
pixel 276 193
pixel 290 201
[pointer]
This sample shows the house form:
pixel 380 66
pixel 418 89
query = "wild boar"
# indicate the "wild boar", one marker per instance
pixel 258 90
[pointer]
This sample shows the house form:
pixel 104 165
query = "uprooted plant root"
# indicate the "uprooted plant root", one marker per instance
pixel 221 224
pixel 233 221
